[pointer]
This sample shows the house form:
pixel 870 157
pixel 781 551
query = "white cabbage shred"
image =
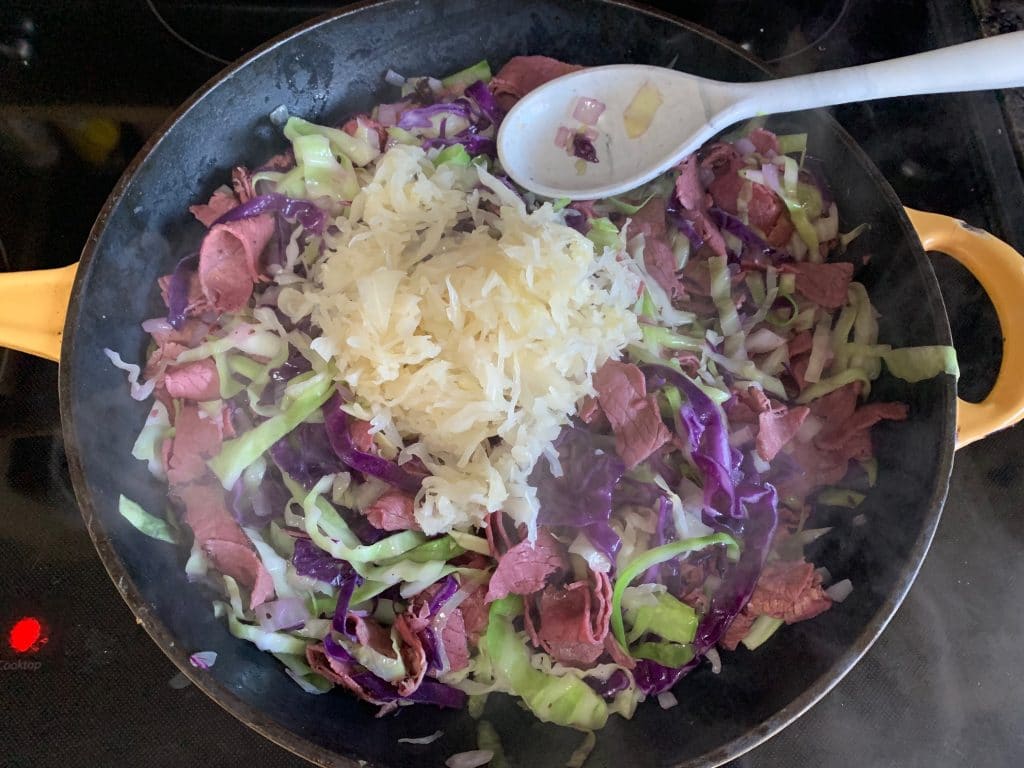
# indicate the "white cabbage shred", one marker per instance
pixel 450 337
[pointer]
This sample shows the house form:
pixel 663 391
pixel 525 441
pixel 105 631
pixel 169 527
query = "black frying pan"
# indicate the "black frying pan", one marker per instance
pixel 330 69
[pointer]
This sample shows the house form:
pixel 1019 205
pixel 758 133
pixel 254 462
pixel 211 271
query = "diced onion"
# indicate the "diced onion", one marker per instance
pixel 745 147
pixel 770 171
pixel 203 659
pixel 282 614
pixel 715 659
pixel 422 739
pixel 588 110
pixel 393 78
pixel 666 700
pixel 472 759
pixel 562 137
pixel 763 340
pixel 824 574
pixel 840 590
pixel 387 114
pixel 280 115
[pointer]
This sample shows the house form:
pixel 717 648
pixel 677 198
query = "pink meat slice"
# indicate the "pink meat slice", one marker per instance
pixel 221 201
pixel 197 438
pixel 362 438
pixel 633 414
pixel 659 259
pixel 164 355
pixel 196 303
pixel 765 210
pixel 452 633
pixel 789 590
pixel 573 620
pixel 414 656
pixel 229 259
pixel 776 428
pixel 392 512
pixel 824 284
pixel 340 673
pixel 737 630
pixel 474 614
pixel 190 334
pixel 219 536
pixel 524 73
pixel 764 141
pixel 197 381
pixel 455 640
pixel 526 567
pixel 241 182
pixel 695 201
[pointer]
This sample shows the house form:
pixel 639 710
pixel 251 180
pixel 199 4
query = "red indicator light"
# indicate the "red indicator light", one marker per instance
pixel 26 635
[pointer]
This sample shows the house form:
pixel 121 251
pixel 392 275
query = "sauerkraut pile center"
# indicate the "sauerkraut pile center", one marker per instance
pixel 467 330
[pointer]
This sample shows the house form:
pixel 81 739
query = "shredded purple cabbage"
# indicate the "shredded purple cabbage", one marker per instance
pixel 349 582
pixel 255 508
pixel 309 560
pixel 583 148
pixel 734 593
pixel 431 643
pixel 177 290
pixel 740 507
pixel 429 691
pixel 336 423
pixel 474 143
pixel 306 454
pixel 279 377
pixel 685 226
pixel 754 245
pixel 582 497
pixel 485 102
pixel 617 682
pixel 708 439
pixel 422 117
pixel 449 586
pixel 308 214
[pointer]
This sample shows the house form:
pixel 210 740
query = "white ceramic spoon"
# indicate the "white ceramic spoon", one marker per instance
pixel 693 109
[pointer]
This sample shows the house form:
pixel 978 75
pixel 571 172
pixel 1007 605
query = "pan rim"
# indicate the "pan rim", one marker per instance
pixel 309 750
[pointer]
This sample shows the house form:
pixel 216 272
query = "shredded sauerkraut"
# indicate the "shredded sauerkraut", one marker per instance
pixel 458 318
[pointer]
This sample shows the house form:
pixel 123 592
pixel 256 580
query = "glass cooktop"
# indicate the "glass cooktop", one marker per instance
pixel 81 87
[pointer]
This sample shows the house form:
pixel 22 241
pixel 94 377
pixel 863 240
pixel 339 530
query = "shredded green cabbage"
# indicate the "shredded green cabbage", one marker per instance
pixel 237 454
pixel 144 522
pixel 560 700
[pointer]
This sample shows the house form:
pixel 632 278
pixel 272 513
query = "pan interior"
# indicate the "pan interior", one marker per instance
pixel 335 68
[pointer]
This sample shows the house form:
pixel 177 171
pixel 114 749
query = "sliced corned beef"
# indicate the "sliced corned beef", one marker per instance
pixel 524 73
pixel 196 381
pixel 224 543
pixel 824 284
pixel 197 438
pixel 221 201
pixel 633 414
pixel 229 259
pixel 776 428
pixel 526 567
pixel 659 258
pixel 393 511
pixel 789 590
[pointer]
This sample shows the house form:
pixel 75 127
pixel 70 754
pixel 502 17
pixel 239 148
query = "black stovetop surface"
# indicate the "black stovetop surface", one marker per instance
pixel 82 85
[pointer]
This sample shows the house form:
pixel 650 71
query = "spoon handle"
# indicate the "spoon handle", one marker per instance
pixel 996 62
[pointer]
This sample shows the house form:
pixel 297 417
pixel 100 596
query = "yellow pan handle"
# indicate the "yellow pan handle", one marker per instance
pixel 1000 270
pixel 33 306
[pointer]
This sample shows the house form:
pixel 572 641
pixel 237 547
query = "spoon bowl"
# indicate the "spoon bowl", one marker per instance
pixel 637 121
